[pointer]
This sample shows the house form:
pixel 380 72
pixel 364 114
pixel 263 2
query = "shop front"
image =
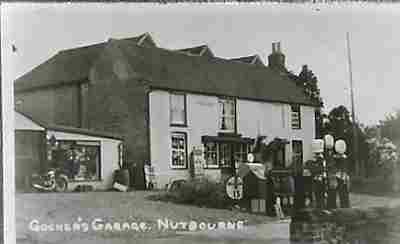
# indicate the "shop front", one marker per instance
pixel 86 157
pixel 226 152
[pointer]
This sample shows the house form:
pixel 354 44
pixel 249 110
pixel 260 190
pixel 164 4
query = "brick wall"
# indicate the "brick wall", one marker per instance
pixel 57 105
pixel 118 103
pixel 121 108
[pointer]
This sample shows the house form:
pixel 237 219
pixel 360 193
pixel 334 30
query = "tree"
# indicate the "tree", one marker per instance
pixel 309 83
pixel 339 125
pixel 390 126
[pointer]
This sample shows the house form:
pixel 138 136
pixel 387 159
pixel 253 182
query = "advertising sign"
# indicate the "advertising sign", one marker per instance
pixel 198 161
pixel 234 187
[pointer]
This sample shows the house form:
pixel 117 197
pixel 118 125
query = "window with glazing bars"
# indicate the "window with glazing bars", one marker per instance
pixel 296 117
pixel 179 150
pixel 227 114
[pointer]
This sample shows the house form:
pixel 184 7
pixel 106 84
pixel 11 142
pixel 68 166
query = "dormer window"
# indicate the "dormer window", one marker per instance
pixel 227 114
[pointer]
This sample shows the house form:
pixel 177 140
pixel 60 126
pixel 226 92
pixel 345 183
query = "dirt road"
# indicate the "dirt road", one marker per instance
pixel 38 214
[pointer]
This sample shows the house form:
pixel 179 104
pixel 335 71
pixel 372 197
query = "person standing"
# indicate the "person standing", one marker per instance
pixel 343 184
pixel 270 191
pixel 332 191
pixel 319 182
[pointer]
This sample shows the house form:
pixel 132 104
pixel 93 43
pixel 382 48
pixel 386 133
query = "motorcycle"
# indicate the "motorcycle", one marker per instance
pixel 52 181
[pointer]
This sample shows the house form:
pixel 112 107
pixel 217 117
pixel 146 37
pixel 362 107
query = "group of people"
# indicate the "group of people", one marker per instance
pixel 326 181
pixel 320 184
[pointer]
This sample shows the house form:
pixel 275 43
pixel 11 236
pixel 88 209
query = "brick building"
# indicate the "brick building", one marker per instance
pixel 165 102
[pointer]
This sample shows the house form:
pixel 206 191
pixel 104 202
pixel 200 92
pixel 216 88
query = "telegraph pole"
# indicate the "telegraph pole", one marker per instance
pixel 353 114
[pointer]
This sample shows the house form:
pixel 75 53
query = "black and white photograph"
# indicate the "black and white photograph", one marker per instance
pixel 200 122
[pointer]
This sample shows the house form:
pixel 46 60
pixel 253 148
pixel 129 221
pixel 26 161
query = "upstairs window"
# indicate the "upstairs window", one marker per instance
pixel 177 109
pixel 227 115
pixel 296 117
pixel 178 150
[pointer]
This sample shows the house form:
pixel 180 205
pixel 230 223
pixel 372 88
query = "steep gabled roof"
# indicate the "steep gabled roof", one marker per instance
pixel 202 50
pixel 168 69
pixel 253 59
pixel 71 65
pixel 66 66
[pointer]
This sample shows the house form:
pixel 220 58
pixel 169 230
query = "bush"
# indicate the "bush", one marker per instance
pixel 200 192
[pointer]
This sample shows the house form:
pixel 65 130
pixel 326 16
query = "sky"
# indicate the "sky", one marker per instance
pixel 312 34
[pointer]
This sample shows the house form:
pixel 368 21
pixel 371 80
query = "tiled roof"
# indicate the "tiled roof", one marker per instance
pixel 70 129
pixel 202 50
pixel 71 65
pixel 176 71
pixel 168 69
pixel 143 39
pixel 253 59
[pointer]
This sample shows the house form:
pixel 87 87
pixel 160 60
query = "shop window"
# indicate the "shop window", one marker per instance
pixel 177 109
pixel 297 153
pixel 210 154
pixel 225 155
pixel 80 160
pixel 227 113
pixel 296 117
pixel 179 150
pixel 220 154
pixel 241 151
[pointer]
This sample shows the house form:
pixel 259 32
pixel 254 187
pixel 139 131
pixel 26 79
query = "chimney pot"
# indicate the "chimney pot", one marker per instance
pixel 276 59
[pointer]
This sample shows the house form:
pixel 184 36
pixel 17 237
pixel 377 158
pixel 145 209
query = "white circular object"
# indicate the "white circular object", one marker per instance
pixel 250 157
pixel 340 146
pixel 234 187
pixel 317 146
pixel 329 141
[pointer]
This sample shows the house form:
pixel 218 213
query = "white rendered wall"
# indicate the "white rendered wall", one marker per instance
pixel 253 118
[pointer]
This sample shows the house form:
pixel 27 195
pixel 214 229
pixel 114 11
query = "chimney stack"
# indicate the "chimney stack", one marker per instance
pixel 273 47
pixel 276 60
